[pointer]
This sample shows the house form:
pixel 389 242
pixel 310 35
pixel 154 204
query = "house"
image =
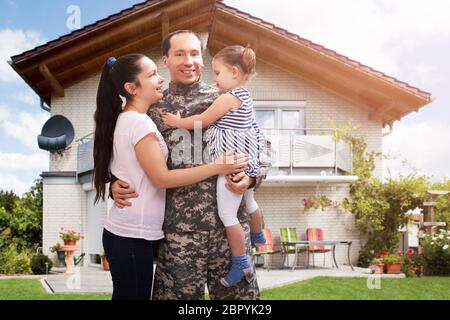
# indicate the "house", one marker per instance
pixel 298 87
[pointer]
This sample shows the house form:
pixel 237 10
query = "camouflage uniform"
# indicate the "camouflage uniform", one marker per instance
pixel 195 249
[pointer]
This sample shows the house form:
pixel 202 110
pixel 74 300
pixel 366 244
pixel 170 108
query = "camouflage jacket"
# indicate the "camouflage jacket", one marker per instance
pixel 193 207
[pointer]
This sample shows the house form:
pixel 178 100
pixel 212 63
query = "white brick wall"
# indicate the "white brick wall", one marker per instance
pixel 64 206
pixel 282 206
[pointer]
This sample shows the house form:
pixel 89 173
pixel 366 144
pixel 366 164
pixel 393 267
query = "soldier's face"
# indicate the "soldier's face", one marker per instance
pixel 184 59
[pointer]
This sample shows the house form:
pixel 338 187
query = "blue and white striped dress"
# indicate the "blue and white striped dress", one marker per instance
pixel 237 130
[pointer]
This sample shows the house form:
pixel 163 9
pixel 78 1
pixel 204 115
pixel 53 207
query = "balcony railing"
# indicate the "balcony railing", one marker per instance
pixel 85 156
pixel 308 151
pixel 294 152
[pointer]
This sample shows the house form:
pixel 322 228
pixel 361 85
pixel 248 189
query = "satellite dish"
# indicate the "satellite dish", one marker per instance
pixel 56 134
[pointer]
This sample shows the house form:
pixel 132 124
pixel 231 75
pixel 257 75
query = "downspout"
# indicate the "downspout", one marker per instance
pixel 391 129
pixel 43 105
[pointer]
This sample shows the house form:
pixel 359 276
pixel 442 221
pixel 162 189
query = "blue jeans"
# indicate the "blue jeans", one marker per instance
pixel 131 266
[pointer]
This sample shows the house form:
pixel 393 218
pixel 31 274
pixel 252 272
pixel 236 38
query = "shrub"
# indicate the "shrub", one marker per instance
pixel 413 265
pixel 436 251
pixel 38 264
pixel 14 262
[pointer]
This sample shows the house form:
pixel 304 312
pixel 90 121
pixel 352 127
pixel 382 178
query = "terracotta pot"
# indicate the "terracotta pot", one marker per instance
pixel 394 268
pixel 105 263
pixel 70 242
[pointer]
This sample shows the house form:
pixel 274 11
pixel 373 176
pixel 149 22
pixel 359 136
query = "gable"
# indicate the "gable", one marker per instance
pixel 50 68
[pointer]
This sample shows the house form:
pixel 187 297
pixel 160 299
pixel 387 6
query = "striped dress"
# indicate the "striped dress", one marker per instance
pixel 237 130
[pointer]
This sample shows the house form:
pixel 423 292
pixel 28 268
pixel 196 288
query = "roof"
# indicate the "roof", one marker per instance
pixel 51 67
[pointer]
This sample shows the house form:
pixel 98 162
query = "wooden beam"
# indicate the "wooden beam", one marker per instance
pixel 164 24
pixel 378 113
pixel 144 42
pixel 56 86
pixel 255 44
pixel 119 32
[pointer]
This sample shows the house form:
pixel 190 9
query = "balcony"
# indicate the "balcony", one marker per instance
pixel 301 156
pixel 308 156
pixel 85 157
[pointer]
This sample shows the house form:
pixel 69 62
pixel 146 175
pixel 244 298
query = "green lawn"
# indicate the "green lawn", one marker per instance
pixel 320 288
pixel 325 288
pixel 31 289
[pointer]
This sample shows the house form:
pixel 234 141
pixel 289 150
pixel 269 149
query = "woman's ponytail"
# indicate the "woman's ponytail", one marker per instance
pixel 115 73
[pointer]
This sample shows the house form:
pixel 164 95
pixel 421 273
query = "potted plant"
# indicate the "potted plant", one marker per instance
pixel 105 262
pixel 377 265
pixel 70 237
pixel 60 253
pixel 392 263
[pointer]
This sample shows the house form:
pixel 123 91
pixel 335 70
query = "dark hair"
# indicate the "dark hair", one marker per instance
pixel 115 74
pixel 244 58
pixel 165 46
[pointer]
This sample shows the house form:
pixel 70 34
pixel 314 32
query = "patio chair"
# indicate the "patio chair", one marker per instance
pixel 267 249
pixel 287 235
pixel 316 234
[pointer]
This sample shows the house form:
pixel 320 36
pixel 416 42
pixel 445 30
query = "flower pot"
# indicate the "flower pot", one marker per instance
pixel 70 242
pixel 377 268
pixel 61 254
pixel 393 268
pixel 105 263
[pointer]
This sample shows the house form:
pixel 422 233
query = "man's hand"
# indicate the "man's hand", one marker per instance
pixel 171 120
pixel 239 183
pixel 122 191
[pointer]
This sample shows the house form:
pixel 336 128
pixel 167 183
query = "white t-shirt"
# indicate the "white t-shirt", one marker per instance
pixel 144 219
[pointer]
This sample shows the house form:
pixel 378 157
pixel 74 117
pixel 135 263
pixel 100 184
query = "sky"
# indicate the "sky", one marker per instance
pixel 407 39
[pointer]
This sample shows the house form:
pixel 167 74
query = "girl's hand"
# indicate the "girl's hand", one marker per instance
pixel 229 162
pixel 171 120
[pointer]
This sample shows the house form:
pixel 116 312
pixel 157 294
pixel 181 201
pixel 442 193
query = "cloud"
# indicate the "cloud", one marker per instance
pixel 22 126
pixel 23 163
pixel 16 170
pixel 27 97
pixel 374 32
pixel 13 42
pixel 423 145
pixel 14 183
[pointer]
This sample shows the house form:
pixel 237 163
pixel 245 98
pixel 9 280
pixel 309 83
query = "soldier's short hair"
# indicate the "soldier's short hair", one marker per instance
pixel 165 46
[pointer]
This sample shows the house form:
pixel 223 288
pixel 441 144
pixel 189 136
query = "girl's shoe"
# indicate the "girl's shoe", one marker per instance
pixel 240 268
pixel 257 239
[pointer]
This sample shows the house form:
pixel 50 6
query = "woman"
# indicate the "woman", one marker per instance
pixel 128 145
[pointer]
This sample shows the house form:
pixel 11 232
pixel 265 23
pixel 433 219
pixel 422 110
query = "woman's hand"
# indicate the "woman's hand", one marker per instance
pixel 121 191
pixel 171 120
pixel 229 162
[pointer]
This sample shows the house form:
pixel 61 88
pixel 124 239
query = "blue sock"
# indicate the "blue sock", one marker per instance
pixel 257 238
pixel 236 273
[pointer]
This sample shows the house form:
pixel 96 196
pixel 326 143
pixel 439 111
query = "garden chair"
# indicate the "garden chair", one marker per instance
pixel 287 235
pixel 316 234
pixel 267 249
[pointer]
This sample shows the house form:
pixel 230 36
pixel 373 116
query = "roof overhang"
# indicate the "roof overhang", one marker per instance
pixel 50 68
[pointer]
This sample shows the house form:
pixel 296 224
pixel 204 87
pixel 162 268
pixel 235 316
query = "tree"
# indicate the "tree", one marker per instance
pixel 7 199
pixel 22 225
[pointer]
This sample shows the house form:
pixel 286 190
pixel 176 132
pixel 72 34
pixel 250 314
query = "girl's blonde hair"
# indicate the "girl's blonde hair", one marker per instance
pixel 242 57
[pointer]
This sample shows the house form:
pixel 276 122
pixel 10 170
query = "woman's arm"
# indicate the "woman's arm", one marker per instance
pixel 223 104
pixel 151 159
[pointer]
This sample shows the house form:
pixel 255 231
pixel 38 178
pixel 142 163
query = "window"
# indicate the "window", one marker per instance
pixel 265 118
pixel 284 115
pixel 281 121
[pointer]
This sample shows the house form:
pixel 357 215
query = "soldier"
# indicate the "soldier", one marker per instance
pixel 195 249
